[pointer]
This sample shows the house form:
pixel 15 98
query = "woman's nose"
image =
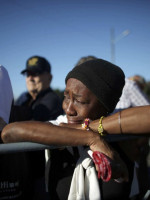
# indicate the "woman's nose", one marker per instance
pixel 70 109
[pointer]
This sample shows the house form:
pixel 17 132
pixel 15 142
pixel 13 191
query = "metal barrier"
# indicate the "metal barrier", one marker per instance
pixel 23 146
pixel 30 146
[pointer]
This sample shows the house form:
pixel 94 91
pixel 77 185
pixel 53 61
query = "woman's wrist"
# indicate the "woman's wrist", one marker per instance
pixel 94 125
pixel 98 143
pixel 98 125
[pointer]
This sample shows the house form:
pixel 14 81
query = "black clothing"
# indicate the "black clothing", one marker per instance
pixel 119 191
pixel 62 168
pixel 47 106
pixel 15 179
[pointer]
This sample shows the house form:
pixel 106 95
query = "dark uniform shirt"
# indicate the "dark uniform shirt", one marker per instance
pixel 47 106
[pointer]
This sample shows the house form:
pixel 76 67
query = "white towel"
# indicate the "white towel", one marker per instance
pixel 84 186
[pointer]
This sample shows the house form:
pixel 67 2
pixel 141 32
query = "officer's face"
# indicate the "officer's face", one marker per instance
pixel 37 82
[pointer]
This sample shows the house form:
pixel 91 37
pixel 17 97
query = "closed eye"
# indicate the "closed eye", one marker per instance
pixel 80 101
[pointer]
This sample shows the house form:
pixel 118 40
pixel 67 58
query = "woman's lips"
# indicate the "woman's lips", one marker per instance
pixel 74 121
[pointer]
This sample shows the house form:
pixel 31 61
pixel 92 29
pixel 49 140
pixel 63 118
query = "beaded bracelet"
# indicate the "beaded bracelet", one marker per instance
pixel 100 127
pixel 86 123
pixel 103 164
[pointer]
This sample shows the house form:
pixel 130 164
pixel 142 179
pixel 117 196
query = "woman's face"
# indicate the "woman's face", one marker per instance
pixel 80 103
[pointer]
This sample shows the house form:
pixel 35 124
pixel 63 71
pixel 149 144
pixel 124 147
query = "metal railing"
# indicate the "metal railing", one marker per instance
pixel 30 146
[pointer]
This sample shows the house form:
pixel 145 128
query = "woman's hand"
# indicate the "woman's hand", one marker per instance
pixel 98 143
pixel 119 169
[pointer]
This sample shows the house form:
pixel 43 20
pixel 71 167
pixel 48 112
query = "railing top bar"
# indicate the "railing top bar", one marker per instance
pixel 30 146
pixel 23 146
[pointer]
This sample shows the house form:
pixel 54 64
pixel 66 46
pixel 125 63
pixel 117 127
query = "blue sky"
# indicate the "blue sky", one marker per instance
pixel 65 30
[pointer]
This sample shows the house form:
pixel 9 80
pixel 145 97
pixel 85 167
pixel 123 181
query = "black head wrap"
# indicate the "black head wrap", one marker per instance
pixel 101 77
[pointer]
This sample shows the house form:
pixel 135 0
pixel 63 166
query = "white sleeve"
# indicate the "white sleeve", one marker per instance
pixel 6 94
pixel 132 96
pixel 138 97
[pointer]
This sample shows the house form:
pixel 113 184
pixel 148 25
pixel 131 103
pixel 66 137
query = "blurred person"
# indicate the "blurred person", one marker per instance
pixel 133 96
pixel 43 102
pixel 143 161
pixel 139 80
pixel 15 182
pixel 85 58
pixel 39 103
pixel 89 87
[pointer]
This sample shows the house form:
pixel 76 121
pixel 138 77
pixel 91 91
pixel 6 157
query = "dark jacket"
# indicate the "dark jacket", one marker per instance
pixel 47 106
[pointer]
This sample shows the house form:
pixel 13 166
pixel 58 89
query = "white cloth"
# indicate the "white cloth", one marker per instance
pixel 84 186
pixel 60 119
pixel 6 94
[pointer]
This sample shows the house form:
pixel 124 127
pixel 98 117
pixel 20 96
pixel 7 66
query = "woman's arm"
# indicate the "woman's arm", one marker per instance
pixel 47 133
pixel 129 121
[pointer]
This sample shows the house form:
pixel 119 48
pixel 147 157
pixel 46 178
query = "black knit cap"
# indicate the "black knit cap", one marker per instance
pixel 103 78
